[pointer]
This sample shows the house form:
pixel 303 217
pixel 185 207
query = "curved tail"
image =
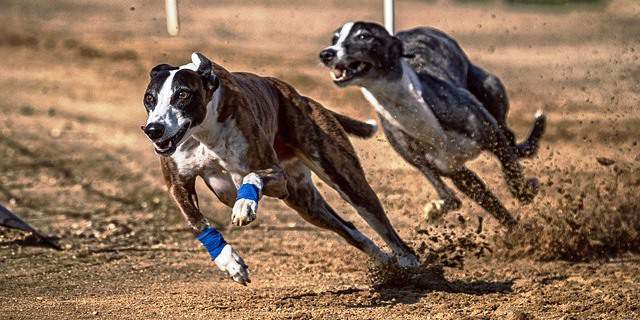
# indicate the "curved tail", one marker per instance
pixel 530 147
pixel 356 127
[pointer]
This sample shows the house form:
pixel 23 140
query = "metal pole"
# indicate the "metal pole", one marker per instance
pixel 171 8
pixel 390 16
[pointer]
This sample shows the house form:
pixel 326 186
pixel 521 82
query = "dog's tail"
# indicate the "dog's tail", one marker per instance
pixel 530 147
pixel 356 127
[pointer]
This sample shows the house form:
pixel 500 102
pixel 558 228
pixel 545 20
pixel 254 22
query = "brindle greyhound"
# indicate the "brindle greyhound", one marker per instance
pixel 247 136
pixel 438 109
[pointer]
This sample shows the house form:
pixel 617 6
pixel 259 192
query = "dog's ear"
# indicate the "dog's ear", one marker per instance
pixel 396 49
pixel 202 63
pixel 204 68
pixel 161 68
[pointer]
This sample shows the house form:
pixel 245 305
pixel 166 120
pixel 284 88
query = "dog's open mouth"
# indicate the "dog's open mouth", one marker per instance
pixel 168 146
pixel 341 73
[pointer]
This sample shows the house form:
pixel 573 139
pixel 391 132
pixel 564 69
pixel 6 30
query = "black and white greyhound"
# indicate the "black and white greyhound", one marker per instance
pixel 438 109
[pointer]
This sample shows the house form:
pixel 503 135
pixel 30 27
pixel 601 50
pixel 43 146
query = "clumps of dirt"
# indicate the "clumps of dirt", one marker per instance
pixel 448 244
pixel 592 216
pixel 429 277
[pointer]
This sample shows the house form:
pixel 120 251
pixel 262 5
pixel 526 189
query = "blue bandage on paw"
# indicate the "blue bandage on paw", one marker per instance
pixel 248 191
pixel 213 241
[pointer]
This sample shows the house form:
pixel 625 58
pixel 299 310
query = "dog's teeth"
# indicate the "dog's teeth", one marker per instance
pixel 164 149
pixel 338 74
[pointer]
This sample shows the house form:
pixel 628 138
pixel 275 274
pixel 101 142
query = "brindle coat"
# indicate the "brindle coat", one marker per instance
pixel 262 125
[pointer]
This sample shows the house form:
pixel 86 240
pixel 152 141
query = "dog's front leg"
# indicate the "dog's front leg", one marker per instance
pixel 182 190
pixel 271 182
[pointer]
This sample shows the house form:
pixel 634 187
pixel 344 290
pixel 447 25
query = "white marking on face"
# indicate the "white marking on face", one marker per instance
pixel 162 112
pixel 342 36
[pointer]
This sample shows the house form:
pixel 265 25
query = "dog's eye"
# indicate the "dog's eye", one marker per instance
pixel 184 95
pixel 364 36
pixel 334 39
pixel 148 98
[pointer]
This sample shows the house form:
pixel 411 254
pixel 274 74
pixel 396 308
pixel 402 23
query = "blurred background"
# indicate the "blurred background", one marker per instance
pixel 74 163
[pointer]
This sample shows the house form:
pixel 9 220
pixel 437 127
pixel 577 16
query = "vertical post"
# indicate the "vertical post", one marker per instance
pixel 171 8
pixel 390 16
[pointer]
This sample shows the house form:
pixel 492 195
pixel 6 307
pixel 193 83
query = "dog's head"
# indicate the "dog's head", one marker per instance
pixel 176 102
pixel 362 52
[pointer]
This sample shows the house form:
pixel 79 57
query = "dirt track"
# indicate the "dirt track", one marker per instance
pixel 75 164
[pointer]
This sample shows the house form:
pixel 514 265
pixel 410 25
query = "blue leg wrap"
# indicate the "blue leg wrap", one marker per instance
pixel 213 241
pixel 248 191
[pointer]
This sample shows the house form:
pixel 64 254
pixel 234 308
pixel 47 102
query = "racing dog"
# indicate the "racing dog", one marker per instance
pixel 249 136
pixel 438 109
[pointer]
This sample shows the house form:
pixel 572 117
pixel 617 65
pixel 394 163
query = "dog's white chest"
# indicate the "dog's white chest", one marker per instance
pixel 226 151
pixel 401 104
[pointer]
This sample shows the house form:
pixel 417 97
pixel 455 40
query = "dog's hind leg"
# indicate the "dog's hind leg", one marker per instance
pixel 488 89
pixel 340 168
pixel 320 141
pixel 307 201
pixel 471 185
pixel 523 189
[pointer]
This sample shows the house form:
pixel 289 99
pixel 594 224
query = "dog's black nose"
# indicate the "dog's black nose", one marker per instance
pixel 154 130
pixel 327 55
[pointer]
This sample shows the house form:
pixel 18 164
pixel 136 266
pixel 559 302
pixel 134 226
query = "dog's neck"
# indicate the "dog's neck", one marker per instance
pixel 398 87
pixel 210 132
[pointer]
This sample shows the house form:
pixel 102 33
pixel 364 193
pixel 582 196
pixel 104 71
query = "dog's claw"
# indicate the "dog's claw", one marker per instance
pixel 244 212
pixel 230 262
pixel 240 273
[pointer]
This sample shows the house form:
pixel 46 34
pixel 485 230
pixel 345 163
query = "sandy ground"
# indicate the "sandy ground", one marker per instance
pixel 75 164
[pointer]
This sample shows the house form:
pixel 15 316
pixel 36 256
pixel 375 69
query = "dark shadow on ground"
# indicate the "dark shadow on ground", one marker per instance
pixel 408 286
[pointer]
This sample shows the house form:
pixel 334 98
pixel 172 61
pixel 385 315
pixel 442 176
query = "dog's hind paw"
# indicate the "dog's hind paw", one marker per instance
pixel 230 262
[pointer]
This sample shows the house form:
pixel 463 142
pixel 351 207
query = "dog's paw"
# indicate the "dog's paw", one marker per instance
pixel 436 209
pixel 244 212
pixel 230 262
pixel 408 261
